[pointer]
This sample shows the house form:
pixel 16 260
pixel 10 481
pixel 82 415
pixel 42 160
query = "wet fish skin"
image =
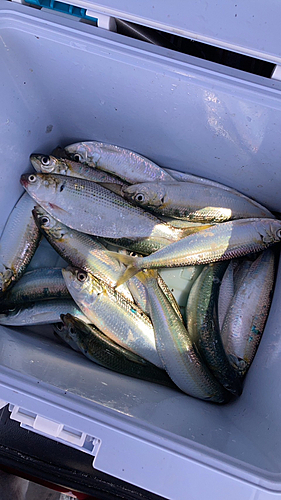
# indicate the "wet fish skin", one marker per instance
pixel 194 202
pixel 39 284
pixel 203 326
pixel 50 164
pixel 245 320
pixel 40 313
pixel 180 357
pixel 18 243
pixel 126 164
pixel 220 242
pixel 92 209
pixel 80 250
pixel 111 313
pixel 102 350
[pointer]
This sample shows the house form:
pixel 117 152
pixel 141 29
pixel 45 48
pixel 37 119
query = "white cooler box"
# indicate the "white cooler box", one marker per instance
pixel 62 81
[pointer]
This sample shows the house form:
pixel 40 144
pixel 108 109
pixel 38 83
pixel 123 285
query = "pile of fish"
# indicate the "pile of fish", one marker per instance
pixel 114 306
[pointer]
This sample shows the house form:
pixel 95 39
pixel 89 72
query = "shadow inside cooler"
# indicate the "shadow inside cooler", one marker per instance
pixel 61 84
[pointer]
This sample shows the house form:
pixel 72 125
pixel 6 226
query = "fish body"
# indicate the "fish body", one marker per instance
pixel 50 164
pixel 90 208
pixel 126 164
pixel 18 243
pixel 80 250
pixel 220 242
pixel 102 350
pixel 204 329
pixel 39 284
pixel 111 313
pixel 40 313
pixel 180 357
pixel 244 322
pixel 194 202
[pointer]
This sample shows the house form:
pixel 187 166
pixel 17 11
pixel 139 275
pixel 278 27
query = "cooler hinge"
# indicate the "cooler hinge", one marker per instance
pixel 55 430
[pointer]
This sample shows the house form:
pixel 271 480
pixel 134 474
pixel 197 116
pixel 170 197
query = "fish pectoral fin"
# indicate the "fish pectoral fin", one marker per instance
pixel 53 206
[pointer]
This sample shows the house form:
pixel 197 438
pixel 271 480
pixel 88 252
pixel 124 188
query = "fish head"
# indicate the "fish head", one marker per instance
pixel 145 195
pixel 47 164
pixel 78 152
pixel 73 325
pixel 47 224
pixel 10 314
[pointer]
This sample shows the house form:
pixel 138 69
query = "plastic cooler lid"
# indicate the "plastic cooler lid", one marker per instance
pixel 249 27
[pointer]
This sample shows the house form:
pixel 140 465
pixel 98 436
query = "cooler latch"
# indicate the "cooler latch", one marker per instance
pixel 55 430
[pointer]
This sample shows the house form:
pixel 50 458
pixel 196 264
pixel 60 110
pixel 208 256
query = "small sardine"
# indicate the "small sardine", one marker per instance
pixel 18 243
pixel 180 357
pixel 203 326
pixel 221 242
pixel 102 350
pixel 244 322
pixel 122 162
pixel 111 313
pixel 90 208
pixel 193 202
pixel 52 165
pixel 39 284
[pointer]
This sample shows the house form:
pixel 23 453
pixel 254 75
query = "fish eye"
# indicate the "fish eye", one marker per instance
pixel 60 327
pixel 32 178
pixel 278 234
pixel 140 197
pixel 45 221
pixel 81 276
pixel 71 330
pixel 77 157
pixel 45 160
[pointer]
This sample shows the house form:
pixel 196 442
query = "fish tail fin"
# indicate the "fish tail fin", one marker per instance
pixel 132 263
pixel 147 274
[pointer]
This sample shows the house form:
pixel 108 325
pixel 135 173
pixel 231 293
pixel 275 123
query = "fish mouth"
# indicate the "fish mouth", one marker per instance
pixel 24 181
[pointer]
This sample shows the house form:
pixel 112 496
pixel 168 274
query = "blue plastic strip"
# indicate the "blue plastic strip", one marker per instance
pixel 62 7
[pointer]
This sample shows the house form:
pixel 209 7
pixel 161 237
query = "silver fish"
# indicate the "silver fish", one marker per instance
pixel 111 313
pixel 194 202
pixel 90 208
pixel 180 357
pixel 244 322
pixel 80 250
pixel 220 242
pixel 204 329
pixel 52 165
pixel 126 164
pixel 40 313
pixel 18 243
pixel 102 350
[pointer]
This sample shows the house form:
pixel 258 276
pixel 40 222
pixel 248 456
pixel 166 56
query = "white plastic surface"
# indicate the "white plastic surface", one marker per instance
pixel 63 81
pixel 55 430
